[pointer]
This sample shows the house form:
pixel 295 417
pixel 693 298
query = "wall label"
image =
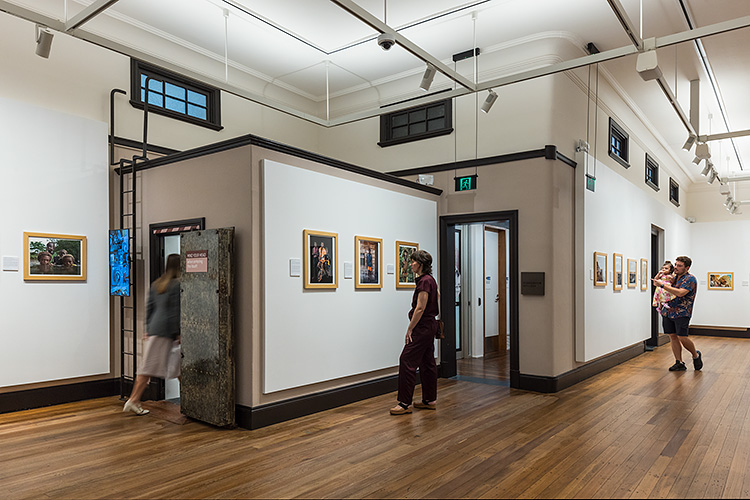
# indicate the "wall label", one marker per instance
pixel 196 261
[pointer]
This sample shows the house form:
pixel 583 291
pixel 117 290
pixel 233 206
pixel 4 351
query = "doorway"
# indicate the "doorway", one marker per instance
pixel 164 240
pixel 657 259
pixel 480 267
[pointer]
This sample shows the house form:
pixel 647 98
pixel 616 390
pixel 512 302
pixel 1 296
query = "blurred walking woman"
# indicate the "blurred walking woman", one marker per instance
pixel 162 329
pixel 419 351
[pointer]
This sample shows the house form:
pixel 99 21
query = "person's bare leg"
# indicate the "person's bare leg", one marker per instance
pixel 141 381
pixel 689 345
pixel 674 341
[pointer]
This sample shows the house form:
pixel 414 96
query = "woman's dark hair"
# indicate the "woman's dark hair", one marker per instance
pixel 424 259
pixel 671 266
pixel 171 273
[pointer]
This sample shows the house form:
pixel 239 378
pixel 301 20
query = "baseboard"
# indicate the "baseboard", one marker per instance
pixel 491 344
pixel 273 413
pixel 60 394
pixel 538 383
pixel 720 331
pixel 663 339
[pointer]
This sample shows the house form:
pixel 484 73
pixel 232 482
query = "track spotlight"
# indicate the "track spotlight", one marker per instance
pixel 689 143
pixel 487 104
pixel 43 41
pixel 707 169
pixel 734 208
pixel 712 176
pixel 728 203
pixel 697 160
pixel 429 75
pixel 702 151
pixel 724 189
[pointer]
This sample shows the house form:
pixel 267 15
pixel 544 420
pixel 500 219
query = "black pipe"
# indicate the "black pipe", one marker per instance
pixel 112 124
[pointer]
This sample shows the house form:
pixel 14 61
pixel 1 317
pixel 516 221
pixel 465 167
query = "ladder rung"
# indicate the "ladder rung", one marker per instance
pixel 127 215
pixel 127 191
pixel 127 307
pixel 126 330
pixel 127 353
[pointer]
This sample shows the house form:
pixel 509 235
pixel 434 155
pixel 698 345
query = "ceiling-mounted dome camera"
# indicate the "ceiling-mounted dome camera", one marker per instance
pixel 386 41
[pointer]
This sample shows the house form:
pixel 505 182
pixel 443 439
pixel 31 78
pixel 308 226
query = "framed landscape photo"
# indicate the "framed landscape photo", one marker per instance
pixel 617 275
pixel 321 251
pixel 600 269
pixel 406 278
pixel 54 257
pixel 632 273
pixel 721 281
pixel 644 274
pixel 368 273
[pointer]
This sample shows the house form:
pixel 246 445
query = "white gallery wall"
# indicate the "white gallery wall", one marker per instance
pixel 618 219
pixel 54 175
pixel 313 336
pixel 721 247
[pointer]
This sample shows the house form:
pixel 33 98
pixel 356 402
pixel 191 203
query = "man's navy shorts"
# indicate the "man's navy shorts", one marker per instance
pixel 678 326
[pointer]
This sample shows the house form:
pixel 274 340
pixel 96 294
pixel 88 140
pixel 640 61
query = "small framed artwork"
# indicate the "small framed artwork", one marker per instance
pixel 617 266
pixel 369 253
pixel 406 278
pixel 321 250
pixel 54 257
pixel 644 274
pixel 632 273
pixel 600 269
pixel 119 262
pixel 721 281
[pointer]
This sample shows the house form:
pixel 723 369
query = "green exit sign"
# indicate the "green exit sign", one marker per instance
pixel 590 183
pixel 466 183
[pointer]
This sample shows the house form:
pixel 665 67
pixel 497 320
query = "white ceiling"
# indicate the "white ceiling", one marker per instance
pixel 316 60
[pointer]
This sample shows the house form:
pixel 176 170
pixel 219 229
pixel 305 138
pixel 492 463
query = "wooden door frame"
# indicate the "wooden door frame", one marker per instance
pixel 447 283
pixel 501 237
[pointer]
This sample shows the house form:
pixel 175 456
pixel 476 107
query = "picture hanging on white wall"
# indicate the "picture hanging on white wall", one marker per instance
pixel 369 262
pixel 632 273
pixel 54 257
pixel 644 274
pixel 617 281
pixel 721 281
pixel 321 250
pixel 406 278
pixel 600 269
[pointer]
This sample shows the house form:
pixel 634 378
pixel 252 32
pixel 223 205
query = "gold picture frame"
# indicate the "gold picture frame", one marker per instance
pixel 405 277
pixel 600 269
pixel 617 271
pixel 721 281
pixel 644 274
pixel 59 257
pixel 368 272
pixel 321 262
pixel 632 273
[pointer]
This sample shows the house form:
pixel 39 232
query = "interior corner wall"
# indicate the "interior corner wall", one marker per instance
pixel 618 219
pixel 55 180
pixel 721 247
pixel 313 336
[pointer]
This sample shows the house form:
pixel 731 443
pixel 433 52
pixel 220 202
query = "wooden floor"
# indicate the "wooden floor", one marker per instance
pixel 636 430
pixel 495 366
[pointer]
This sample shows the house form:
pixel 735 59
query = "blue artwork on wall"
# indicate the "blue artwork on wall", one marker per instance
pixel 119 262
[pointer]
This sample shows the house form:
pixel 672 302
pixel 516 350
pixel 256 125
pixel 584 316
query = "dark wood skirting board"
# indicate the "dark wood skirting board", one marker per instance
pixel 491 344
pixel 717 331
pixel 273 413
pixel 554 384
pixel 59 394
pixel 663 339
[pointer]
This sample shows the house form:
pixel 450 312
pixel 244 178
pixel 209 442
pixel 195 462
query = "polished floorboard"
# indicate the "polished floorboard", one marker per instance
pixel 635 431
pixel 495 366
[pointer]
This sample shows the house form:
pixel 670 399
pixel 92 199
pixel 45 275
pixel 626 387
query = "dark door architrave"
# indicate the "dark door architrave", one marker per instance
pixel 447 283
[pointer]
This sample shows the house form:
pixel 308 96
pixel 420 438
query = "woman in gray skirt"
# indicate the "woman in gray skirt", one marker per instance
pixel 162 330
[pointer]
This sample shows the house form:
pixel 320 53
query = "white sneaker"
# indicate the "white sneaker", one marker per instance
pixel 135 408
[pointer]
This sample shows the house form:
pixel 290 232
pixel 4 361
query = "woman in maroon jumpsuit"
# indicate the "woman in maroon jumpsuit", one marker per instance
pixel 419 351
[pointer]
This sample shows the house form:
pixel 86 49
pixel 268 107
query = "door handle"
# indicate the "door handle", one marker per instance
pixel 480 301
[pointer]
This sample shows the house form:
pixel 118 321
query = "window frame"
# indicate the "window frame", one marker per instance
pixel 386 128
pixel 213 95
pixel 616 130
pixel 674 192
pixel 655 167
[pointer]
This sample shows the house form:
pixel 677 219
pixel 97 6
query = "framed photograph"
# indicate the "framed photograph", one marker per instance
pixel 321 252
pixel 721 281
pixel 644 274
pixel 600 269
pixel 119 262
pixel 617 275
pixel 406 278
pixel 54 257
pixel 632 273
pixel 368 273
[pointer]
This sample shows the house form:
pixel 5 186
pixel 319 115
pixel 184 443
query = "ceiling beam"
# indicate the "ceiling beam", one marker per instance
pixel 727 135
pixel 88 13
pixel 375 23
pixel 626 23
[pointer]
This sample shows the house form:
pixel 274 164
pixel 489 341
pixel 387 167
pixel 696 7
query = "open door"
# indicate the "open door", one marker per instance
pixel 207 389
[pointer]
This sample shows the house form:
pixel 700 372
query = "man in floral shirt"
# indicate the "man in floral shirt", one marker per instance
pixel 677 317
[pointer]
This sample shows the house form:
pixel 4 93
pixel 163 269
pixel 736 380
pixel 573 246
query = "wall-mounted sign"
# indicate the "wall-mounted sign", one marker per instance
pixel 466 183
pixel 196 261
pixel 532 283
